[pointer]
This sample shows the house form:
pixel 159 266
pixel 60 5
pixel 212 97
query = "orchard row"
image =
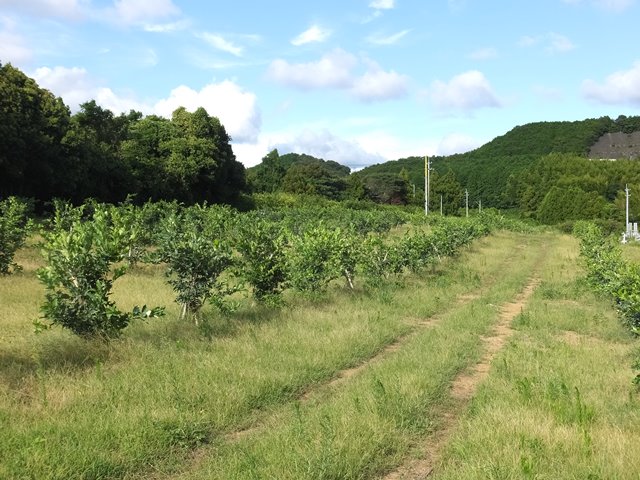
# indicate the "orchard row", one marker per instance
pixel 212 252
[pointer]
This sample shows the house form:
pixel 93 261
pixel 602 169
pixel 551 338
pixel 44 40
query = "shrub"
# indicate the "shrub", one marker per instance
pixel 14 228
pixel 81 265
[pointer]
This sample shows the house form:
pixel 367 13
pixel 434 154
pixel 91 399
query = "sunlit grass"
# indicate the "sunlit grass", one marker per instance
pixel 367 426
pixel 71 408
pixel 559 402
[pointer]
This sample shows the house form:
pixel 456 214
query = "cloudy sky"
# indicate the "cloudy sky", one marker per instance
pixel 357 81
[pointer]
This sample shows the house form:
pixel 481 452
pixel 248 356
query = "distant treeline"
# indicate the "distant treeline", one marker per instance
pixel 540 169
pixel 45 152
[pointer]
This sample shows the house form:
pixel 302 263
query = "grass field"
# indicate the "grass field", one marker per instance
pixel 353 385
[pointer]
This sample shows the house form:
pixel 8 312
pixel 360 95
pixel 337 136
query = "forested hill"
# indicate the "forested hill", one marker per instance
pixel 486 171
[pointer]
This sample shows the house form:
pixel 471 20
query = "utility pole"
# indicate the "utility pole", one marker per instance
pixel 426 184
pixel 441 205
pixel 626 226
pixel 466 196
pixel 480 206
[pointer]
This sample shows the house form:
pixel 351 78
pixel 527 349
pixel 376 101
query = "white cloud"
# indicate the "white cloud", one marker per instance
pixel 377 84
pixel 134 12
pixel 378 6
pixel 559 43
pixel 75 86
pixel 338 70
pixel 465 92
pixel 355 151
pixel 313 34
pixel 379 39
pixel 72 84
pixel 13 47
pixel 220 43
pixel 457 143
pixel 391 147
pixel 325 144
pixel 320 143
pixel 552 42
pixel 236 108
pixel 333 70
pixel 69 9
pixel 486 53
pixel 107 98
pixel 166 27
pixel 528 41
pixel 619 88
pixel 610 5
pixel 382 4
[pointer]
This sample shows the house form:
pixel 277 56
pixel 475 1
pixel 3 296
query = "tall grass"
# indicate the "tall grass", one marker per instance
pixel 559 402
pixel 71 408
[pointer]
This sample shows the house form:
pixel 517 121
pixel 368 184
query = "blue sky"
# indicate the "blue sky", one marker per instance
pixel 356 81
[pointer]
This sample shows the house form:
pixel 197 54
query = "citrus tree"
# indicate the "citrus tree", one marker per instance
pixel 14 228
pixel 83 258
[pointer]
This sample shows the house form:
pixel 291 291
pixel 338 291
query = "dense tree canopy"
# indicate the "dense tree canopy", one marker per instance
pixel 540 169
pixel 33 123
pixel 298 173
pixel 46 152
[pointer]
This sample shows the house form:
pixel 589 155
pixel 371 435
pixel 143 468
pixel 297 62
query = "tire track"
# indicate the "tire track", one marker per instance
pixel 418 324
pixel 463 388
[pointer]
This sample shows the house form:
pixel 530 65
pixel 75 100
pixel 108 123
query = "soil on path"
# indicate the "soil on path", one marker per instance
pixel 463 388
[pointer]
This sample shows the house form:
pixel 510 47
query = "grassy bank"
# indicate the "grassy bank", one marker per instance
pixel 70 408
pixel 559 402
pixel 352 385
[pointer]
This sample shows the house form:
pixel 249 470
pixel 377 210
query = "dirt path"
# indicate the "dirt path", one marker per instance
pixel 416 326
pixel 463 388
pixel 342 376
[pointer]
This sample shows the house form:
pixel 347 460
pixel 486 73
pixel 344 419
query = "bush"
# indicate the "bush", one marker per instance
pixel 320 255
pixel 82 257
pixel 192 244
pixel 14 228
pixel 261 244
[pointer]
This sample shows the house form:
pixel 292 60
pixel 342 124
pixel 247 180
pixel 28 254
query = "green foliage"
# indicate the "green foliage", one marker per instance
pixel 609 273
pixel 267 176
pixel 47 153
pixel 320 255
pixel 127 220
pixel 82 257
pixel 196 253
pixel 559 188
pixel 299 174
pixel 452 193
pixel 386 188
pixel 380 260
pixel 32 125
pixel 14 228
pixel 313 178
pixel 261 244
pixel 573 203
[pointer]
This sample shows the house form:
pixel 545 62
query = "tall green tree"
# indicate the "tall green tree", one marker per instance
pixel 386 188
pixel 315 178
pixel 267 176
pixel 93 163
pixel 451 191
pixel 32 124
